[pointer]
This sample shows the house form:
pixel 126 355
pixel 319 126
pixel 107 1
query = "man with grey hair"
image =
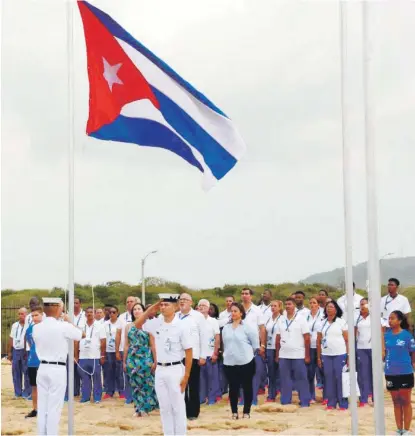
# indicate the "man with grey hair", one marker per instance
pixel 197 324
pixel 209 373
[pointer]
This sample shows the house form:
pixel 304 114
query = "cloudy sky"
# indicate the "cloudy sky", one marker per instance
pixel 278 216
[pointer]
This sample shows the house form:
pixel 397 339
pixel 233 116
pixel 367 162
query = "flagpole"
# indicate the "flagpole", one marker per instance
pixel 347 200
pixel 372 227
pixel 71 158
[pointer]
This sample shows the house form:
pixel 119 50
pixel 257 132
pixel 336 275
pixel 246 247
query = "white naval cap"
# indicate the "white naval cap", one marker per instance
pixel 169 298
pixel 51 301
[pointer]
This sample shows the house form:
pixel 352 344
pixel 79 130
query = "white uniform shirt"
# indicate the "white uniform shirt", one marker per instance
pixel 304 312
pixel 123 320
pixel 17 334
pixel 266 311
pixel 197 325
pixel 79 320
pixel 292 336
pixel 314 324
pixel 212 331
pixel 110 333
pixel 50 338
pixel 342 302
pixel 224 318
pixel 271 328
pixel 171 339
pixel 100 321
pixel 389 304
pixel 332 342
pixel 254 316
pixel 90 346
pixel 364 333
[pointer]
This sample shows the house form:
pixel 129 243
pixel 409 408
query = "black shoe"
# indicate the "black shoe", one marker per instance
pixel 32 414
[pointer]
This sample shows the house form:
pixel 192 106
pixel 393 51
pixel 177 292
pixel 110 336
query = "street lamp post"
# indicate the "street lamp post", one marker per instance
pixel 143 279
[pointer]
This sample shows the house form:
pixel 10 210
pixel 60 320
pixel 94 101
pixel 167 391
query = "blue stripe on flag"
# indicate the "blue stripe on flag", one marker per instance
pixel 219 160
pixel 120 33
pixel 148 133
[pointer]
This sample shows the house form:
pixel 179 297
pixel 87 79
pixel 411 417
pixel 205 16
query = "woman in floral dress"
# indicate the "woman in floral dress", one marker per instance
pixel 140 364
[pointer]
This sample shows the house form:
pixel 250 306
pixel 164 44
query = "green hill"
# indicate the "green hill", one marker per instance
pixel 402 268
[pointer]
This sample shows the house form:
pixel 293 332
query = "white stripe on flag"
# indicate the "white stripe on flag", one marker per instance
pixel 145 109
pixel 220 128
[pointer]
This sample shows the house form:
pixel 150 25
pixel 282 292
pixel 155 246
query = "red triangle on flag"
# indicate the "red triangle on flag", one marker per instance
pixel 114 80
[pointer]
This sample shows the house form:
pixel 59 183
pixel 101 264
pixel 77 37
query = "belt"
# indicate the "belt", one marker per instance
pixel 169 364
pixel 53 363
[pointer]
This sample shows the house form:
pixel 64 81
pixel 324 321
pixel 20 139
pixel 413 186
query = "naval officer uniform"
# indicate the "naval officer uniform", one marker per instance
pixel 51 340
pixel 171 340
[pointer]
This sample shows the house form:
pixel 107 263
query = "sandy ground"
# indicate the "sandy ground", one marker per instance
pixel 113 417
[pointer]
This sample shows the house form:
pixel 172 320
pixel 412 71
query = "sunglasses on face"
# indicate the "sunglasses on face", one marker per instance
pixel 113 311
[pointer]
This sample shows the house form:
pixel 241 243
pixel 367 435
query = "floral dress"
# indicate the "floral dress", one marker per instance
pixel 138 363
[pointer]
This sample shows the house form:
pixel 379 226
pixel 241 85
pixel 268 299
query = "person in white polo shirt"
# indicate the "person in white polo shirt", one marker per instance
pixel 393 301
pixel 299 298
pixel 363 336
pixel 292 353
pixel 90 354
pixel 209 373
pixel 255 318
pixel 342 302
pixel 198 327
pixel 123 320
pixel 17 356
pixel 265 305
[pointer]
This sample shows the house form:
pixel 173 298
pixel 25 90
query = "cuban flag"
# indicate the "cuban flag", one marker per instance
pixel 135 97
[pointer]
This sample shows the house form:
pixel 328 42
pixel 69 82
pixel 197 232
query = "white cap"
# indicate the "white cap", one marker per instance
pixel 52 301
pixel 170 298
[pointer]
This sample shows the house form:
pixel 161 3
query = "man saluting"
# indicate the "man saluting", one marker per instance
pixel 50 337
pixel 173 342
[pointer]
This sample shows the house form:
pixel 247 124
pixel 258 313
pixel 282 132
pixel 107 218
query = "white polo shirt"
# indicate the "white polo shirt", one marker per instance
pixel 364 333
pixel 51 339
pixel 333 343
pixel 90 346
pixel 266 311
pixel 224 318
pixel 17 334
pixel 389 304
pixel 212 331
pixel 110 333
pixel 123 320
pixel 197 325
pixel 314 324
pixel 79 320
pixel 254 316
pixel 171 339
pixel 292 336
pixel 342 302
pixel 271 328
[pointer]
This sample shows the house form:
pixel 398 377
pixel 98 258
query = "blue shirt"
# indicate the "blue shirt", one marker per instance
pixel 239 344
pixel 398 353
pixel 32 359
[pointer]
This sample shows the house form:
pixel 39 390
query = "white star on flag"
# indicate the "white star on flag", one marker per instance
pixel 110 73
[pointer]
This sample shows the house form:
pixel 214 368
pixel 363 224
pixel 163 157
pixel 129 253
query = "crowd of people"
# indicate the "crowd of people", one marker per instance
pixel 177 355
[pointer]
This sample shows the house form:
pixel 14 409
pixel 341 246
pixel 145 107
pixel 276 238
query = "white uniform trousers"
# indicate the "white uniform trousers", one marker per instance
pixel 51 386
pixel 171 399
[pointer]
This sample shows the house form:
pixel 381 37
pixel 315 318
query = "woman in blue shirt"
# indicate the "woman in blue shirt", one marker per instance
pixel 399 355
pixel 240 341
